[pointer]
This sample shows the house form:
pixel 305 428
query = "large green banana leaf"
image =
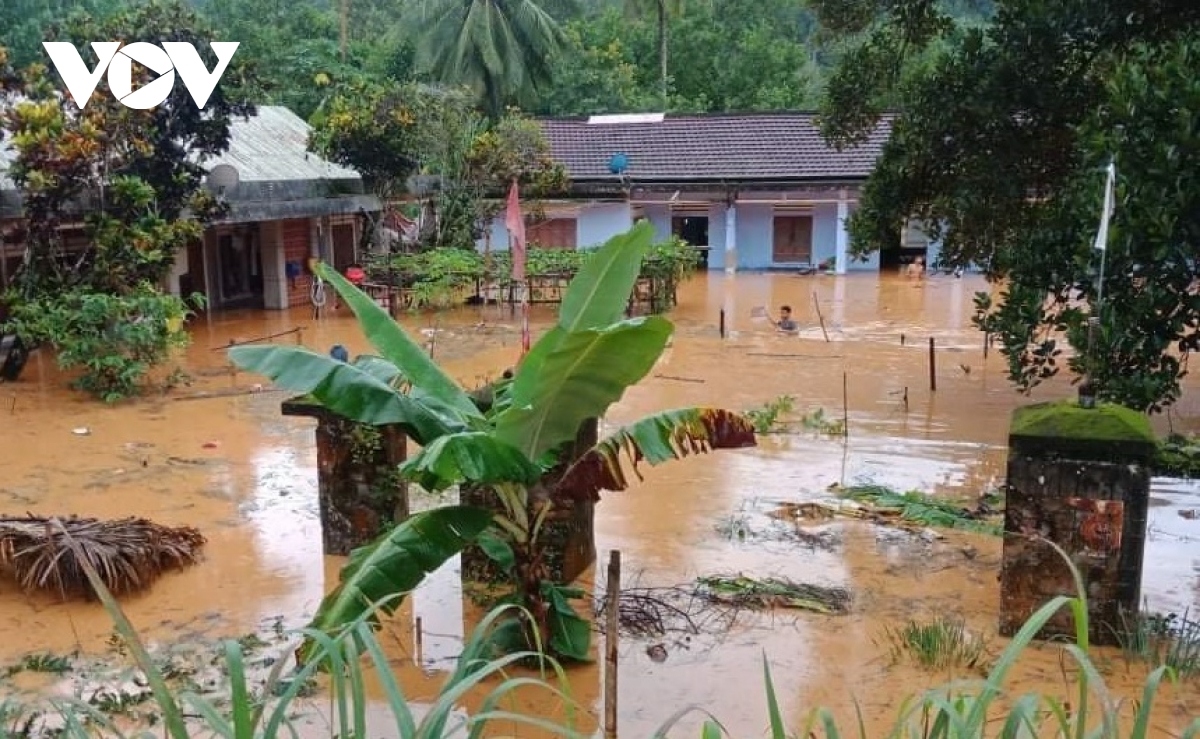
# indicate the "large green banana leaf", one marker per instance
pixel 588 371
pixel 396 346
pixel 476 456
pixel 354 392
pixel 395 564
pixel 600 291
pixel 596 297
pixel 654 439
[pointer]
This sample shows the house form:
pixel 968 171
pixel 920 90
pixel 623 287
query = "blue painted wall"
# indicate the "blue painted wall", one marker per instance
pixel 599 222
pixel 660 216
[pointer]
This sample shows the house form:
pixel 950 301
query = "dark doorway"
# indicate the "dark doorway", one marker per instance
pixel 692 229
pixel 239 270
pixel 344 251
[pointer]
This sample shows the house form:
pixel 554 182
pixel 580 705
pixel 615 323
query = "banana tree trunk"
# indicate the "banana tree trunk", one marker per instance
pixel 568 537
pixel 360 491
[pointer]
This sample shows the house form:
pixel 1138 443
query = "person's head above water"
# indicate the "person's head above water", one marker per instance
pixel 785 312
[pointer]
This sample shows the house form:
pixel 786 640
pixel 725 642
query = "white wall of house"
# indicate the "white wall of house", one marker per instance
pixel 179 268
pixel 659 215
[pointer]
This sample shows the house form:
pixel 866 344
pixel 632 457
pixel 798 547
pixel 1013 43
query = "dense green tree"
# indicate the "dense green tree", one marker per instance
pixel 662 11
pixel 999 145
pixel 134 177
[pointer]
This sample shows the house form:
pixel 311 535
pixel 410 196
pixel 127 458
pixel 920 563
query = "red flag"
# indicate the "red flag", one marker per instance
pixel 514 221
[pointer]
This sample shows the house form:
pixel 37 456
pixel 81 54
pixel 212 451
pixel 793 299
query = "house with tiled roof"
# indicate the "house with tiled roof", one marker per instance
pixel 285 206
pixel 756 191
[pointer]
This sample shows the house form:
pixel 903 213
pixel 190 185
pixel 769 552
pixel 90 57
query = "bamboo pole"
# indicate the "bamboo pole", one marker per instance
pixel 722 324
pixel 845 408
pixel 612 628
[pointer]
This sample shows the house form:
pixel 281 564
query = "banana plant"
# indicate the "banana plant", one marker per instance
pixel 574 372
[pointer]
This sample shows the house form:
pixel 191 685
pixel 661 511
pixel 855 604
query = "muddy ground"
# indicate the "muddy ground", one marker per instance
pixel 243 474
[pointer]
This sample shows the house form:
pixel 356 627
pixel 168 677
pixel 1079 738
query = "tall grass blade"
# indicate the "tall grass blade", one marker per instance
pixel 172 716
pixel 777 729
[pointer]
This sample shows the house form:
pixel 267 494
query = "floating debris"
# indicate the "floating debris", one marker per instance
pixel 130 553
pixel 747 592
pixel 914 510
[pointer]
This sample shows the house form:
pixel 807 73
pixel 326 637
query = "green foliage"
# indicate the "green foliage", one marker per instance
pixel 1164 640
pixel 273 709
pixel 939 644
pixel 999 147
pixel 1178 456
pixel 767 418
pixel 574 372
pixel 926 510
pixel 114 339
pixel 393 565
pixel 501 51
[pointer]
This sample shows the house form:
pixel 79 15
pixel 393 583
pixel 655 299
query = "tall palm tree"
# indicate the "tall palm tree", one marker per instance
pixel 664 10
pixel 502 49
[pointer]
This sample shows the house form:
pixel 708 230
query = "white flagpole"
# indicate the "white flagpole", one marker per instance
pixel 1101 244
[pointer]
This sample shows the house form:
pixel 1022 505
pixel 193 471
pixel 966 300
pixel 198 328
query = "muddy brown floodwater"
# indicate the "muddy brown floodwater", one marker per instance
pixel 245 475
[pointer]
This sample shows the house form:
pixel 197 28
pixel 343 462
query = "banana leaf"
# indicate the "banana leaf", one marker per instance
pixel 476 457
pixel 584 375
pixel 655 439
pixel 596 297
pixel 397 347
pixel 348 390
pixel 394 565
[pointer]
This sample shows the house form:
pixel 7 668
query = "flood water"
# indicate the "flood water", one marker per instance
pixel 232 466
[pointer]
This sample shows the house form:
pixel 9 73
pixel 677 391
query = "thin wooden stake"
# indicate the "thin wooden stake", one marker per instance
pixel 901 339
pixel 932 367
pixel 612 628
pixel 987 342
pixel 722 323
pixel 417 639
pixel 820 317
pixel 845 408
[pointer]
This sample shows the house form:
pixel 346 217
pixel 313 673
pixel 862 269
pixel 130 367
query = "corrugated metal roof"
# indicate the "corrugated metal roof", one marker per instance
pixel 725 146
pixel 272 146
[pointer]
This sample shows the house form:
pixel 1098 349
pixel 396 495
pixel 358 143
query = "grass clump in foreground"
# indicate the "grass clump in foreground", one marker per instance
pixel 973 709
pixel 960 710
pixel 1159 640
pixel 939 644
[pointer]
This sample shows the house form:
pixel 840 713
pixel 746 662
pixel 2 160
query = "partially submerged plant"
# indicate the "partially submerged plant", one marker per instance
pixel 515 446
pixel 768 417
pixel 1159 640
pixel 270 711
pixel 939 644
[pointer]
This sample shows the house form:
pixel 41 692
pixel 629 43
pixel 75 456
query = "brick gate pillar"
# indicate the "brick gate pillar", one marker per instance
pixel 1080 478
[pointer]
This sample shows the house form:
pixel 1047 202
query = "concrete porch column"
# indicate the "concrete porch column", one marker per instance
pixel 842 241
pixel 731 257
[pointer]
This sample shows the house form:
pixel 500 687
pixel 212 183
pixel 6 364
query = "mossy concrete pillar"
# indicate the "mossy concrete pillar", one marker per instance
pixel 1079 477
pixel 358 481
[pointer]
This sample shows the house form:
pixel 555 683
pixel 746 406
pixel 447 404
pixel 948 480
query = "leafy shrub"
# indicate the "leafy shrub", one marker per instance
pixel 113 339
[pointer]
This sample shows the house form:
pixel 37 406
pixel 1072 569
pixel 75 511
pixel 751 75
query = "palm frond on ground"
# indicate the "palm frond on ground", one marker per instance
pixel 129 553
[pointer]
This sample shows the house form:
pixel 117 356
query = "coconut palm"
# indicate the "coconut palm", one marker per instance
pixel 663 10
pixel 501 49
pixel 512 445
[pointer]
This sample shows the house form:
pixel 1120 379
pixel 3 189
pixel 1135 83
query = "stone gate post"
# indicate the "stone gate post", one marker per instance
pixel 359 485
pixel 1080 478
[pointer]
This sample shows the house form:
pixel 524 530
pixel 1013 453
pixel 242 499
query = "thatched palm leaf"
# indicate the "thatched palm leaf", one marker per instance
pixel 655 439
pixel 130 554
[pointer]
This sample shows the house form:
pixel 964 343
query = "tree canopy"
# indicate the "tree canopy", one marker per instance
pixel 1000 141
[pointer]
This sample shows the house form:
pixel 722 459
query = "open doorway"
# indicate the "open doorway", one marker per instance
pixel 239 270
pixel 692 229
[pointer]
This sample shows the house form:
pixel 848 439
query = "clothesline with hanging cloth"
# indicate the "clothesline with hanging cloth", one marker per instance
pixel 514 221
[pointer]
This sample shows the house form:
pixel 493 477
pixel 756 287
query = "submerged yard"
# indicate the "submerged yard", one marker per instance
pixel 218 456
